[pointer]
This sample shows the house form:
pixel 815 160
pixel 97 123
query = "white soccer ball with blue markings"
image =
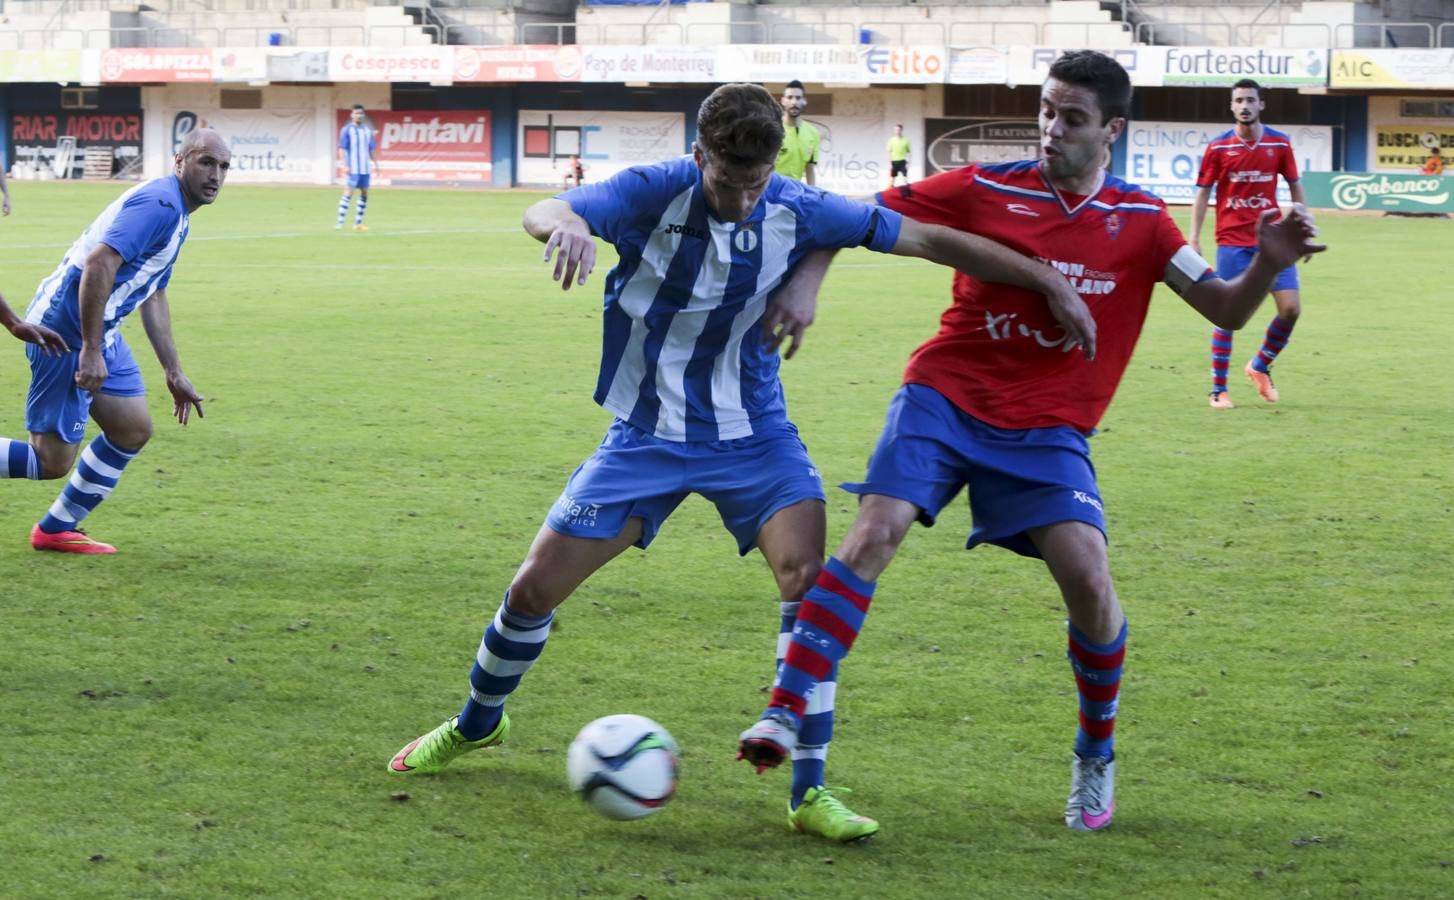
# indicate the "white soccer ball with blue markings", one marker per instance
pixel 624 766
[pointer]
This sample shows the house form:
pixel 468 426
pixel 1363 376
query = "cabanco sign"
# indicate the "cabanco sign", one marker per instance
pixel 1388 193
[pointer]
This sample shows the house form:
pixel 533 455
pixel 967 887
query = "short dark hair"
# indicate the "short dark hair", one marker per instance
pixel 358 106
pixel 1100 73
pixel 1249 83
pixel 740 124
pixel 795 83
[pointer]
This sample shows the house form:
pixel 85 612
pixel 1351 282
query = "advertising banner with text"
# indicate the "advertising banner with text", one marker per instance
pixel 428 146
pixel 522 63
pixel 158 64
pixel 606 142
pixel 956 143
pixel 267 145
pixel 1165 157
pixel 1388 193
pixel 1431 69
pixel 1411 147
pixel 1030 65
pixel 1222 66
pixel 852 154
pixel 835 63
pixel 33 137
pixel 660 63
pixel 431 64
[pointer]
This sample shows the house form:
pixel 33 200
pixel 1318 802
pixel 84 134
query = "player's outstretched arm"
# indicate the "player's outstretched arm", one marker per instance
pixel 557 225
pixel 1280 243
pixel 50 343
pixel 987 260
pixel 156 317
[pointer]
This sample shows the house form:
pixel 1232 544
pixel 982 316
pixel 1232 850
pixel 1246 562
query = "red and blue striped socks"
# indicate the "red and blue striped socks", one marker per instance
pixel 1097 669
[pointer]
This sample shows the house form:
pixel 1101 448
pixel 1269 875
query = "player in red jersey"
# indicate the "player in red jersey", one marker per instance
pixel 1001 401
pixel 1243 164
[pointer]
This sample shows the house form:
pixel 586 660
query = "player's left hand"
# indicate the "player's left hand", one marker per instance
pixel 1287 239
pixel 788 315
pixel 50 343
pixel 184 397
pixel 577 256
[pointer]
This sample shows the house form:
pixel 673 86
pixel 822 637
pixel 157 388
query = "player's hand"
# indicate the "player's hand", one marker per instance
pixel 788 315
pixel 50 343
pixel 90 369
pixel 577 256
pixel 1196 247
pixel 184 397
pixel 1289 238
pixel 1071 312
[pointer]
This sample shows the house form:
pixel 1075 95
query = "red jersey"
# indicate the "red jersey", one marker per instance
pixel 1246 179
pixel 1000 355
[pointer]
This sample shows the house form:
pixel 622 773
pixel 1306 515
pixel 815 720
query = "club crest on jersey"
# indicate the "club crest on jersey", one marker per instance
pixel 745 240
pixel 1113 225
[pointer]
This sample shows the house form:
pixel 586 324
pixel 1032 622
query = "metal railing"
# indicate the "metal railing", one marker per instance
pixel 962 34
pixel 1409 34
pixel 227 36
pixel 1157 32
pixel 902 30
pixel 1446 41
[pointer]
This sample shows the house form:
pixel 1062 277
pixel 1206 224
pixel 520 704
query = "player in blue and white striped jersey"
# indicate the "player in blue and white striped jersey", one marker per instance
pixel 121 263
pixel 356 154
pixel 693 318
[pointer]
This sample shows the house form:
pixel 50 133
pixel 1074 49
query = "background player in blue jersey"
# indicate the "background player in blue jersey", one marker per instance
pixel 356 154
pixel 704 242
pixel 122 262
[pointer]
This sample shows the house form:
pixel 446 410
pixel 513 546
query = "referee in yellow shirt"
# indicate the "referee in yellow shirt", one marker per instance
pixel 898 156
pixel 798 157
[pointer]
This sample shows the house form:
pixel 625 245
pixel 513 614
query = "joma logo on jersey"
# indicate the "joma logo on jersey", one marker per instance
pixel 687 231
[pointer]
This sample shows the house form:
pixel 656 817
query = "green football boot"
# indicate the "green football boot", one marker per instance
pixel 823 814
pixel 437 749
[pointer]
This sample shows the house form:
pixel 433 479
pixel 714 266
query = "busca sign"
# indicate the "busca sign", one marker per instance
pixel 1388 193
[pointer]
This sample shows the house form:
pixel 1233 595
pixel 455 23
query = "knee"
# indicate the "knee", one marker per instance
pixel 1290 310
pixel 133 437
pixel 530 597
pixel 795 576
pixel 872 543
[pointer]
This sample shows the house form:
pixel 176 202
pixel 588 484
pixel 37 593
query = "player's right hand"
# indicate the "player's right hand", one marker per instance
pixel 90 370
pixel 577 256
pixel 1071 312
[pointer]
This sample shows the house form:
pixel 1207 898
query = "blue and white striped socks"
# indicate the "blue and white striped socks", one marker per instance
pixel 363 204
pixel 95 477
pixel 18 460
pixel 343 207
pixel 511 645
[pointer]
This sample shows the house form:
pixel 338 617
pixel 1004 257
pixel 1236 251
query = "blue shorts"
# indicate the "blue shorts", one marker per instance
pixel 1018 478
pixel 56 404
pixel 358 181
pixel 636 474
pixel 1233 261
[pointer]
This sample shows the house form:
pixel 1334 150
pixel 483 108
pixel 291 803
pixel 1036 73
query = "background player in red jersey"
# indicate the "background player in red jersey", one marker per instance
pixel 999 401
pixel 1243 164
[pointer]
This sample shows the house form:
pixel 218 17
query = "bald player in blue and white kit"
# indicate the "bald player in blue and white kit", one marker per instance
pixel 689 368
pixel 120 264
pixel 356 147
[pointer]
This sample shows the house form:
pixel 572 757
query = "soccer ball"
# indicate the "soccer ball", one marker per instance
pixel 624 766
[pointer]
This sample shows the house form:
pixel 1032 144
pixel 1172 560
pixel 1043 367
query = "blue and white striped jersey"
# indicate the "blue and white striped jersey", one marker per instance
pixel 682 356
pixel 146 227
pixel 356 142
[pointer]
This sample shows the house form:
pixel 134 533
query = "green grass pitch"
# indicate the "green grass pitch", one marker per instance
pixel 305 573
